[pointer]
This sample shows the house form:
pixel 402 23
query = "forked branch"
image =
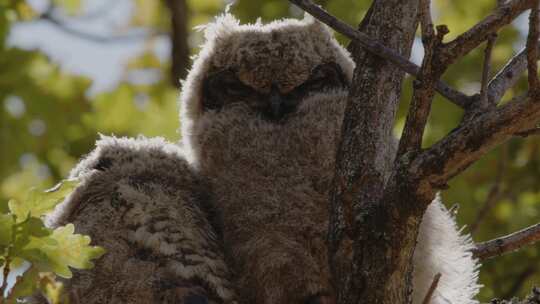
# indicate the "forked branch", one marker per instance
pixel 424 86
pixel 471 39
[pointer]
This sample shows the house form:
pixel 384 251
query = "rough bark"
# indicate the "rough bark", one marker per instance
pixel 367 126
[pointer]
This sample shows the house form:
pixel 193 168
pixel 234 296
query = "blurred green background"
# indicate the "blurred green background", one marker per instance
pixel 70 69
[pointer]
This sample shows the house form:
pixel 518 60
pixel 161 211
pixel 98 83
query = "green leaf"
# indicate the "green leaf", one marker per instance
pixel 6 229
pixel 38 203
pixel 25 286
pixel 29 235
pixel 61 250
pixel 52 289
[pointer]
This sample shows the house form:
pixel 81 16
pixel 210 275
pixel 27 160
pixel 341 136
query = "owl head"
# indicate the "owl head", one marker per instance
pixel 269 68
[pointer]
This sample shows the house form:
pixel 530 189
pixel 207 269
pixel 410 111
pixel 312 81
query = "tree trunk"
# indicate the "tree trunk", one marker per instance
pixel 364 162
pixel 179 40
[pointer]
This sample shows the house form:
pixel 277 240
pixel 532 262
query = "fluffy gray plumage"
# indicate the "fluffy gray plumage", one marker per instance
pixel 247 193
pixel 142 201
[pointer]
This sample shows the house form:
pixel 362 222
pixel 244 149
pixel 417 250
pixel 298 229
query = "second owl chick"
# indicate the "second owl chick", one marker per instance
pixel 141 201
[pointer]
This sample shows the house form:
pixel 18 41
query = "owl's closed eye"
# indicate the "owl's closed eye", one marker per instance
pixel 224 88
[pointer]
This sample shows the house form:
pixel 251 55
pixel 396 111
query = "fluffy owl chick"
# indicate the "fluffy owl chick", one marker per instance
pixel 139 199
pixel 261 111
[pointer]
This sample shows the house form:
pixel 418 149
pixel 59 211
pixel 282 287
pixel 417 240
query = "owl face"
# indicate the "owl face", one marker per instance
pixel 268 68
pixel 275 99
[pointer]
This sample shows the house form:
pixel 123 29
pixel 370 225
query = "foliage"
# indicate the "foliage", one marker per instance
pixel 25 240
pixel 73 115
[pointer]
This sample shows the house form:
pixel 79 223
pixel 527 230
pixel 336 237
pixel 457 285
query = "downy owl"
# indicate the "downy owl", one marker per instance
pixel 241 205
pixel 261 113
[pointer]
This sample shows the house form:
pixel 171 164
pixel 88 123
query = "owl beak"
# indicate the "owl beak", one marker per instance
pixel 276 103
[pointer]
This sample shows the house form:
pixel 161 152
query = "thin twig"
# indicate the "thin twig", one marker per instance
pixel 424 86
pixel 432 288
pixel 508 243
pixel 532 51
pixel 485 71
pixel 426 22
pixel 378 49
pixel 507 76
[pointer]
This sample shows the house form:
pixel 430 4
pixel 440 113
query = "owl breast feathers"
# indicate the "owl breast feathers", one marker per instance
pixel 239 212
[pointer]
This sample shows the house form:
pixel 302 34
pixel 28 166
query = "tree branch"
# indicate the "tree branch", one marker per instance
pixel 466 42
pixel 507 76
pixel 364 157
pixel 468 142
pixel 432 288
pixel 179 40
pixel 378 49
pixel 424 86
pixel 532 51
pixel 508 243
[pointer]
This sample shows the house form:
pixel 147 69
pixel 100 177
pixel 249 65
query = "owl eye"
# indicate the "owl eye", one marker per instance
pixel 222 88
pixel 327 75
pixel 323 77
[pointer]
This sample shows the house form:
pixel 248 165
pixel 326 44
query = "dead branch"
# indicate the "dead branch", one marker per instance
pixel 432 288
pixel 379 49
pixel 507 76
pixel 508 243
pixel 467 143
pixel 466 42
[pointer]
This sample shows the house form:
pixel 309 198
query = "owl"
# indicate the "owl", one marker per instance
pixel 238 211
pixel 261 113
